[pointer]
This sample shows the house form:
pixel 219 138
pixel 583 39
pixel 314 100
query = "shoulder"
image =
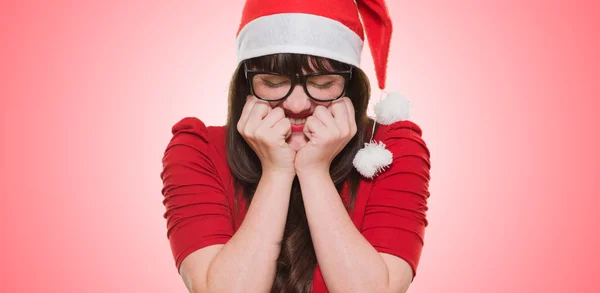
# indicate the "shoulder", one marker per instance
pixel 391 145
pixel 409 151
pixel 403 136
pixel 404 128
pixel 193 132
pixel 197 129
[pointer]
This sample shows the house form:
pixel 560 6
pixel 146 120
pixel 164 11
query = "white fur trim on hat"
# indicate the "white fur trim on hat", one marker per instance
pixel 299 33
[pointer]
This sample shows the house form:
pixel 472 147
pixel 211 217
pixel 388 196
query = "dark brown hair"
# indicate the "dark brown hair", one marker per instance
pixel 297 259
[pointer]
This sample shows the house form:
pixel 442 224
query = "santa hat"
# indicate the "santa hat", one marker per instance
pixel 330 29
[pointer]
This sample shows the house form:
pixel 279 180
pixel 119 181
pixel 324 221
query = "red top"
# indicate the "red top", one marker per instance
pixel 390 210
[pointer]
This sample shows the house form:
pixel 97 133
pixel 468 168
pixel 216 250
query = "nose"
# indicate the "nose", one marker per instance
pixel 298 101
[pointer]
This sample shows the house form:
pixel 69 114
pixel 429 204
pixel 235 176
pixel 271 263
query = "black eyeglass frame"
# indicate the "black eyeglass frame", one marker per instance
pixel 298 79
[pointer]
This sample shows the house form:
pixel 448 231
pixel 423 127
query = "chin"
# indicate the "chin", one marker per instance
pixel 296 147
pixel 297 140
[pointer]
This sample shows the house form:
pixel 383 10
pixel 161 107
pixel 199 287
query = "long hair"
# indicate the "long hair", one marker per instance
pixel 297 259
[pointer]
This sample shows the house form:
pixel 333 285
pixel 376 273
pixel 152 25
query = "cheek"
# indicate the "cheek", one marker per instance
pixel 324 104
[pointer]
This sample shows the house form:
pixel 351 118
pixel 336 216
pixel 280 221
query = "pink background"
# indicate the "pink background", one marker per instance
pixel 506 92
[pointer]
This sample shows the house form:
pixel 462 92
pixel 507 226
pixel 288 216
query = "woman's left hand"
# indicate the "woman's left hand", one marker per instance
pixel 329 129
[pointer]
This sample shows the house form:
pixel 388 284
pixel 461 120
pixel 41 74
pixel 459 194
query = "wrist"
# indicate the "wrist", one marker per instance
pixel 313 172
pixel 277 174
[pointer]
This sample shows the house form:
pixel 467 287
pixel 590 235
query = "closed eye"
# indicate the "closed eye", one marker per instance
pixel 274 85
pixel 322 86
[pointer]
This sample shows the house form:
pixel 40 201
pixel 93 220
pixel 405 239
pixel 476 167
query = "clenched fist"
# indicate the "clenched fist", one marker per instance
pixel 265 129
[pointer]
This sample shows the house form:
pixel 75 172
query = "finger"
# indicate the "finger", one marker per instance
pixel 339 112
pixel 283 128
pixel 351 110
pixel 324 115
pixel 273 117
pixel 351 115
pixel 250 100
pixel 259 111
pixel 313 127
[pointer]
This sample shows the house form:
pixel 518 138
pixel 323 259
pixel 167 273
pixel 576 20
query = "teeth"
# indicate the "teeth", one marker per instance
pixel 297 121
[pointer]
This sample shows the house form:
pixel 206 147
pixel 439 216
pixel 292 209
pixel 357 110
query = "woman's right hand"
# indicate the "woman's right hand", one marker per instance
pixel 265 129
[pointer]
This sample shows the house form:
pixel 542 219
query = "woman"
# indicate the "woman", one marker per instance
pixel 277 200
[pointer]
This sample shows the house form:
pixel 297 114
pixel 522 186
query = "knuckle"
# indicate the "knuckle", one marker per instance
pixel 278 111
pixel 264 110
pixel 249 102
pixel 261 104
pixel 318 111
pixel 248 133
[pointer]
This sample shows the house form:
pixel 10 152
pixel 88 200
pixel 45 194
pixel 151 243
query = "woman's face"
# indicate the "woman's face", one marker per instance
pixel 297 106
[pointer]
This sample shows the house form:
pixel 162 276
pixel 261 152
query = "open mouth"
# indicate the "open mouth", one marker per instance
pixel 297 121
pixel 297 124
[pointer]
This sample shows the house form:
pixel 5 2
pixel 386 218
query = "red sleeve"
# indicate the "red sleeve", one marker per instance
pixel 395 215
pixel 197 210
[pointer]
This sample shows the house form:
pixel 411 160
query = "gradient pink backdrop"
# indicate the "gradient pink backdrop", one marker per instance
pixel 506 92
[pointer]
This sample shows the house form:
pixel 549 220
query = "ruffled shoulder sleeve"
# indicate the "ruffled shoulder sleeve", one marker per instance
pixel 197 210
pixel 395 215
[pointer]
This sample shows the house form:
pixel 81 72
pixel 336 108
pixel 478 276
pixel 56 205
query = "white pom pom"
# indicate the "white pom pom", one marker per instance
pixel 372 159
pixel 392 108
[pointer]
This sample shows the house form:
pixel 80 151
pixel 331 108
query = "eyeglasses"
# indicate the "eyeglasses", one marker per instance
pixel 274 87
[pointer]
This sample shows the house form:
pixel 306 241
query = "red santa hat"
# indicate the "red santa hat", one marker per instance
pixel 330 29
